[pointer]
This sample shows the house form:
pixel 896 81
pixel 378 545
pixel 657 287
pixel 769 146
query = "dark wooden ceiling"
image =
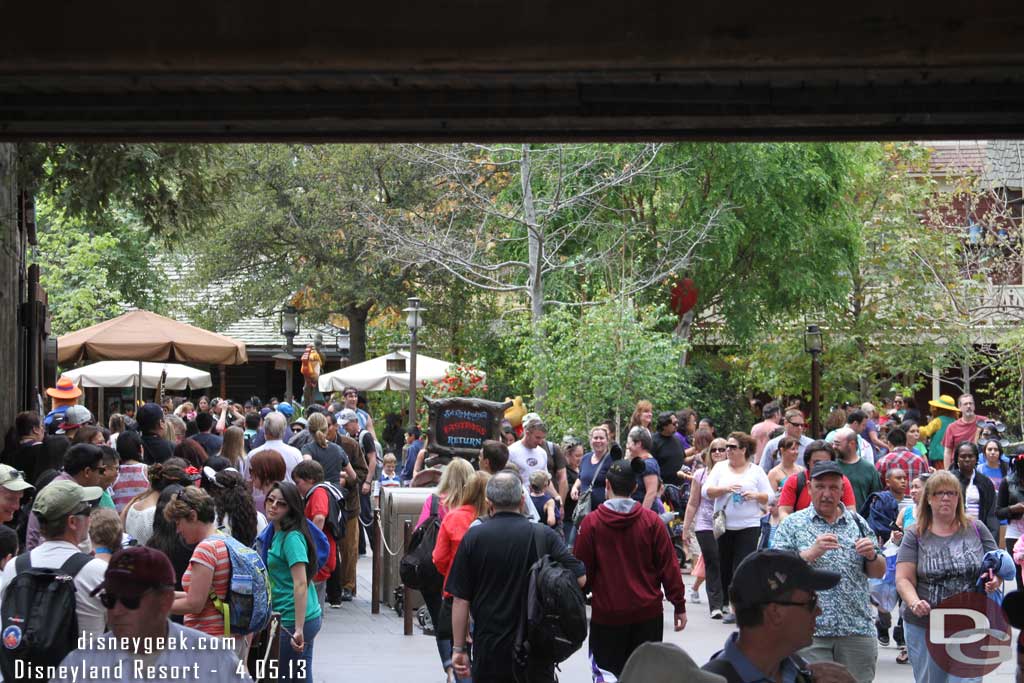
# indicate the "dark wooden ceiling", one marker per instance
pixel 533 69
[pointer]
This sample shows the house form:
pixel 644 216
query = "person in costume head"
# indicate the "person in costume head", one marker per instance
pixel 62 397
pixel 944 413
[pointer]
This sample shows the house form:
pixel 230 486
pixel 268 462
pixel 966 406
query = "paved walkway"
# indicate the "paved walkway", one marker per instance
pixel 356 645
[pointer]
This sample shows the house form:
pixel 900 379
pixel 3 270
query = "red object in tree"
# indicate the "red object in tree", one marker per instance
pixel 684 296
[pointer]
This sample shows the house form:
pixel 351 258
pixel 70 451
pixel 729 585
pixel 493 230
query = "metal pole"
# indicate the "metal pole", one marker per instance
pixel 406 593
pixel 375 581
pixel 288 371
pixel 412 382
pixel 815 396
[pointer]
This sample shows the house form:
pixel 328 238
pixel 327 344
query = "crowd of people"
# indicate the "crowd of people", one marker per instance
pixel 156 508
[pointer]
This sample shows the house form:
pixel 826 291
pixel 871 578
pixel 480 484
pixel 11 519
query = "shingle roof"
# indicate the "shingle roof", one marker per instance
pixel 1005 163
pixel 999 163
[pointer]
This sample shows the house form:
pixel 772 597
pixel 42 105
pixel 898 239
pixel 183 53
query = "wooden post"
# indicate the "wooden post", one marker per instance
pixel 10 255
pixel 375 580
pixel 406 609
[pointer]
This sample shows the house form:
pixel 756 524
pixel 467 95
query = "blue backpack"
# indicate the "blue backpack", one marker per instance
pixel 880 510
pixel 320 541
pixel 247 606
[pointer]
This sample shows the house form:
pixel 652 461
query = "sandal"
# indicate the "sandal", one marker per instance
pixel 903 657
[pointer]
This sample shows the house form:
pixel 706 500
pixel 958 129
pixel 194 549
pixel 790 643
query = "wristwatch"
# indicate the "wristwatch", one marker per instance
pixel 459 649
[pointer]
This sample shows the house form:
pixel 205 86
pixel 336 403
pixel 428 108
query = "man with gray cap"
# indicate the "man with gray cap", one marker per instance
pixel 832 538
pixel 349 421
pixel 62 510
pixel 12 487
pixel 534 452
pixel 775 597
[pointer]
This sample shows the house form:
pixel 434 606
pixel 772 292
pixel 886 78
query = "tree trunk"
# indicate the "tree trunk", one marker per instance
pixel 357 317
pixel 535 241
pixel 682 332
pixel 9 264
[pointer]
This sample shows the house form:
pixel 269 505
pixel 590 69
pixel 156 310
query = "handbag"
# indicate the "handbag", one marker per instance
pixel 718 523
pixel 583 503
pixel 443 627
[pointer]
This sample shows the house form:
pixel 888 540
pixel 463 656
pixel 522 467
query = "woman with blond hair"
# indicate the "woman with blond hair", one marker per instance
pixel 332 458
pixel 233 448
pixel 699 512
pixel 940 556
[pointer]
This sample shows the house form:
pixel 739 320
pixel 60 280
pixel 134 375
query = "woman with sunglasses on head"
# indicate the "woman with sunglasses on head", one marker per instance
pixel 739 488
pixel 940 556
pixel 292 563
pixel 699 511
pixel 192 512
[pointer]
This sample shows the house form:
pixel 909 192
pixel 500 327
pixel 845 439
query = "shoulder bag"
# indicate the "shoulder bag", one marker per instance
pixel 583 504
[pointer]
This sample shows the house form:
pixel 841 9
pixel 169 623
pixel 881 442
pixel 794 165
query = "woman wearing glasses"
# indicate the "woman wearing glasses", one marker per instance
pixel 699 511
pixel 291 564
pixel 739 489
pixel 940 556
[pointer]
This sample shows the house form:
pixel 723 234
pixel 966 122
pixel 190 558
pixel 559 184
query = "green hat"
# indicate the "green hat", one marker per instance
pixel 12 479
pixel 60 498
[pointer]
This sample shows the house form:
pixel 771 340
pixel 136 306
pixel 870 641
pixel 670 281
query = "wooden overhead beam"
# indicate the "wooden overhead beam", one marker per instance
pixel 535 69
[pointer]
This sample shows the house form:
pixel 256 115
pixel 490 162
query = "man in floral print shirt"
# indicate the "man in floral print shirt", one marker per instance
pixel 831 537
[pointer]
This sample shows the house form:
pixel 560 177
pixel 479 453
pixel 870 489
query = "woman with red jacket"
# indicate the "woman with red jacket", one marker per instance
pixel 464 508
pixel 636 562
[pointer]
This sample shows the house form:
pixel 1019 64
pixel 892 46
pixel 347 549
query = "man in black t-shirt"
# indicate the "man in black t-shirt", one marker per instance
pixel 668 450
pixel 488 579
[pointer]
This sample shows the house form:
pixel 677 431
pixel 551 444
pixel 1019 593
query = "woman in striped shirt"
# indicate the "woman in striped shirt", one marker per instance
pixel 209 571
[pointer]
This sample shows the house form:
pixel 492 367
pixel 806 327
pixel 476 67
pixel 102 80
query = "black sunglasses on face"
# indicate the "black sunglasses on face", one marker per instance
pixel 108 600
pixel 811 604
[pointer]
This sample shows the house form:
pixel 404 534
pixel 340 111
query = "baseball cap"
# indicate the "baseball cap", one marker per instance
pixel 149 416
pixel 301 421
pixel 12 479
pixel 531 419
pixel 60 498
pixel 135 570
pixel 75 417
pixel 769 575
pixel 825 467
pixel 285 408
pixel 346 416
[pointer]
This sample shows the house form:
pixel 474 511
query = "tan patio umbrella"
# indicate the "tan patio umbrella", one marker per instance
pixel 144 336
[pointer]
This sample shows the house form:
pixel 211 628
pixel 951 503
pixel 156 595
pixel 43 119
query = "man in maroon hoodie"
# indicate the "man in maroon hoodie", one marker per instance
pixel 629 558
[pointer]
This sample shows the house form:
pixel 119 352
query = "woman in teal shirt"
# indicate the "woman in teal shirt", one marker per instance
pixel 291 563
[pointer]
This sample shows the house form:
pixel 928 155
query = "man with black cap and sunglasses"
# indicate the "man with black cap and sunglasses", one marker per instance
pixel 138 592
pixel 62 509
pixel 774 594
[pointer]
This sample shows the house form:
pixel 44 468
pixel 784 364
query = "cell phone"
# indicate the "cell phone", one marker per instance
pixel 894 526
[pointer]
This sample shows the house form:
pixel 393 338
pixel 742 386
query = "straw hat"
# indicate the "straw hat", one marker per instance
pixel 65 389
pixel 945 402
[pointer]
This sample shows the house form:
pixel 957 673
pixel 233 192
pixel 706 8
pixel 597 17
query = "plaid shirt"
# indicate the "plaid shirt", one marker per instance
pixel 903 458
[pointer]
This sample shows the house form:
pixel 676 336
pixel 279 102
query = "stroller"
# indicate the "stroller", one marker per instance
pixel 674 501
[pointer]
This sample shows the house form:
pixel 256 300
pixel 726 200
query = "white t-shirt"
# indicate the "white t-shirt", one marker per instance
pixel 739 514
pixel 528 460
pixel 292 457
pixel 92 617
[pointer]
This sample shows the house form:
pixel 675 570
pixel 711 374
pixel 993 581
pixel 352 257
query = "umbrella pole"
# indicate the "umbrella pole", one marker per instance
pixel 100 410
pixel 138 388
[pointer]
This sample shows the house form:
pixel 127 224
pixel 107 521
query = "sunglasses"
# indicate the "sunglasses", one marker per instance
pixel 733 447
pixel 719 450
pixel 276 503
pixel 108 600
pixel 801 425
pixel 811 604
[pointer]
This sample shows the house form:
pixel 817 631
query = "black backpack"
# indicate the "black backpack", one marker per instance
pixel 417 566
pixel 334 524
pixel 40 624
pixel 553 624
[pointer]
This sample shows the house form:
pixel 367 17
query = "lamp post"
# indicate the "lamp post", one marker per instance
pixel 813 346
pixel 414 320
pixel 289 328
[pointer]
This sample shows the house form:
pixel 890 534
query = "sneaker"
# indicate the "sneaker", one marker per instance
pixel 716 614
pixel 729 618
pixel 883 639
pixel 346 595
pixel 334 605
pixel 695 596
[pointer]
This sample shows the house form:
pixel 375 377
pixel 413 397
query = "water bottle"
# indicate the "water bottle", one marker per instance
pixel 737 498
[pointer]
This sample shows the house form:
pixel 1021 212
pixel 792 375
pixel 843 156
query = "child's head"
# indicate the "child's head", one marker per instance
pixel 896 481
pixel 105 529
pixel 917 487
pixel 390 461
pixel 539 481
pixel 8 544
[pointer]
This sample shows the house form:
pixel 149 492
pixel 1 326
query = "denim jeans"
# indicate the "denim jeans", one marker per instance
pixel 290 667
pixel 925 668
